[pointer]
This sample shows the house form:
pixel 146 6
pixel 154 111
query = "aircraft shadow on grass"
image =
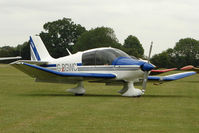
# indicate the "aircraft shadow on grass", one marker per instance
pixel 100 95
pixel 68 95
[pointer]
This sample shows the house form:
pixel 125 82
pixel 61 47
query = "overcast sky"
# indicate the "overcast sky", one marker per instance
pixel 162 21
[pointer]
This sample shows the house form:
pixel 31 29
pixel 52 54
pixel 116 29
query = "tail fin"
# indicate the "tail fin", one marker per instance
pixel 38 50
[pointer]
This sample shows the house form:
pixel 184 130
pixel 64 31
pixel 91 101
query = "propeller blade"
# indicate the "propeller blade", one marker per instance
pixel 146 73
pixel 150 51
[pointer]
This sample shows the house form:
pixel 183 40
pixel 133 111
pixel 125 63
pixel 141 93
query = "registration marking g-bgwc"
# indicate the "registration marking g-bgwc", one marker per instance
pixel 65 67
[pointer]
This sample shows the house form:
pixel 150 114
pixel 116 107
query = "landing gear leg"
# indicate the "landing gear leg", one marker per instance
pixel 79 90
pixel 124 89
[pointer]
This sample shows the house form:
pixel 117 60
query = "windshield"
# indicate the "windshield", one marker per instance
pixel 102 57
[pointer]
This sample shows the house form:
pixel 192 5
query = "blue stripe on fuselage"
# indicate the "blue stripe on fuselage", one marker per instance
pixel 34 49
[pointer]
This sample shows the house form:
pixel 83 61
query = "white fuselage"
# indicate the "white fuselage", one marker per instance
pixel 73 64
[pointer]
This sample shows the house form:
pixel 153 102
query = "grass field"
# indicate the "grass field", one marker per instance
pixel 29 107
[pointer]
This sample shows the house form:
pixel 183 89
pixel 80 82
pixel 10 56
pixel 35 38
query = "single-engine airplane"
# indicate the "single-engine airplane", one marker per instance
pixel 156 72
pixel 190 68
pixel 104 65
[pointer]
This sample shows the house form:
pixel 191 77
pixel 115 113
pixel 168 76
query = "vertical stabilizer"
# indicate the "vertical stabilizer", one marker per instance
pixel 38 51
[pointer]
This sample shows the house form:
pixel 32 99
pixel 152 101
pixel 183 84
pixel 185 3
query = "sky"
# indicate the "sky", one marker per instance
pixel 162 21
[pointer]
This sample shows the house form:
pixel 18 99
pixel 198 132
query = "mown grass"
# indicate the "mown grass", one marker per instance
pixel 29 107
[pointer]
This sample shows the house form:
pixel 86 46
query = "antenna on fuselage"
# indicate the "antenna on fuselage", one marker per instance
pixel 68 51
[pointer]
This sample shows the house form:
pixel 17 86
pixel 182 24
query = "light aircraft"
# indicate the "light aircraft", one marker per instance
pixel 10 58
pixel 190 68
pixel 156 72
pixel 102 65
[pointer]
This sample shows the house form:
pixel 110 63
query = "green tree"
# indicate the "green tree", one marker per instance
pixel 95 38
pixel 187 51
pixel 163 60
pixel 7 51
pixel 132 46
pixel 23 50
pixel 59 35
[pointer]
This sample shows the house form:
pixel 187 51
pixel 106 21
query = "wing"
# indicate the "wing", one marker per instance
pixel 171 77
pixel 46 75
pixel 156 72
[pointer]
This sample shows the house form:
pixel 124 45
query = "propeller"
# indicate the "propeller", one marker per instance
pixel 146 68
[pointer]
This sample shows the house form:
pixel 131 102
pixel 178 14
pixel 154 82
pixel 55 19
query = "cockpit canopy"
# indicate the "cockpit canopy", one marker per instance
pixel 102 56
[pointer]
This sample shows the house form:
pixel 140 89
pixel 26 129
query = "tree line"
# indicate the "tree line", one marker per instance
pixel 64 34
pixel 185 52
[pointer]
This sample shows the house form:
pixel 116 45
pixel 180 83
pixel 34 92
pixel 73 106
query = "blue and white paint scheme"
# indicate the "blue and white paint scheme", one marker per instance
pixel 104 65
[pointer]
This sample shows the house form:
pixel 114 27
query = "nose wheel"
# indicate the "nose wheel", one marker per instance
pixel 130 91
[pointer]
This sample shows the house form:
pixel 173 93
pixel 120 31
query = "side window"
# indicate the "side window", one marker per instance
pixel 88 58
pixel 99 58
pixel 102 58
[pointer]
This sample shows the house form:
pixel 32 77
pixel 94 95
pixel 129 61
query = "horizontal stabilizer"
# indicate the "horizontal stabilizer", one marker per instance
pixel 30 62
pixel 10 58
pixel 171 77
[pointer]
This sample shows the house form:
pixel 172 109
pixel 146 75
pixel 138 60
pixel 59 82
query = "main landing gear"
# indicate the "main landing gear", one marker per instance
pixel 79 90
pixel 128 90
